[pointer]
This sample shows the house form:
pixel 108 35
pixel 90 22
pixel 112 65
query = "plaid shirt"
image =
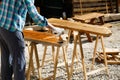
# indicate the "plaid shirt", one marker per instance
pixel 13 14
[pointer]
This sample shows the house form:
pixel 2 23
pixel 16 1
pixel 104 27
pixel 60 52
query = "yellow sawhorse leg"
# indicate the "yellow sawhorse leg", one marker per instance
pixel 33 50
pixel 77 37
pixel 104 53
pixel 55 59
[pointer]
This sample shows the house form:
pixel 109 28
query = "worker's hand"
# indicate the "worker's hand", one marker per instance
pixel 58 31
pixel 55 30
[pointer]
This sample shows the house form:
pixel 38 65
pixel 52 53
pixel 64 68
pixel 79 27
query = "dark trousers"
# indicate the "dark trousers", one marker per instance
pixel 12 55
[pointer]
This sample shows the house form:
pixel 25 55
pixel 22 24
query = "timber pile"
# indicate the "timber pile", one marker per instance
pixel 112 17
pixel 86 6
pixel 113 56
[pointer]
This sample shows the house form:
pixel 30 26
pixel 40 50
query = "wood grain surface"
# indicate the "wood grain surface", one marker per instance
pixel 82 27
pixel 41 37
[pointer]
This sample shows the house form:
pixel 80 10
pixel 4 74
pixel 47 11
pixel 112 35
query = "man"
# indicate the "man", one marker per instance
pixel 12 20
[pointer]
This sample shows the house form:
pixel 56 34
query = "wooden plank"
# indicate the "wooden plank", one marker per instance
pixel 108 25
pixel 95 71
pixel 110 61
pixel 42 37
pixel 110 51
pixel 32 27
pixel 88 16
pixel 95 9
pixel 113 62
pixel 82 27
pixel 112 56
pixel 87 0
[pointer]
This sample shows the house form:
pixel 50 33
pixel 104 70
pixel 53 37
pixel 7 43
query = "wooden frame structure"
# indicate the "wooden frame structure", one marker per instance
pixel 47 39
pixel 87 28
pixel 113 56
pixel 92 18
pixel 88 6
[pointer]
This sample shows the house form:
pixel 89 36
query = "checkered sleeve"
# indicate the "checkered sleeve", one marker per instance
pixel 37 18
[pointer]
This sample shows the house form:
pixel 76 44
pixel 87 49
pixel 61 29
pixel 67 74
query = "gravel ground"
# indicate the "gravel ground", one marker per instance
pixel 110 42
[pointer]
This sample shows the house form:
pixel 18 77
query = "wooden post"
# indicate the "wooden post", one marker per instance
pixel 104 53
pixel 73 54
pixel 56 62
pixel 94 53
pixel 82 57
pixel 107 6
pixel 30 63
pixel 117 6
pixel 44 55
pixel 81 7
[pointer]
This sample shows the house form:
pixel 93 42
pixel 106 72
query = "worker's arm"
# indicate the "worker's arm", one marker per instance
pixel 39 19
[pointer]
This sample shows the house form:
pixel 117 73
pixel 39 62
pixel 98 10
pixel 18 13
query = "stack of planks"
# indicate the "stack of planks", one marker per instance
pixel 113 56
pixel 86 6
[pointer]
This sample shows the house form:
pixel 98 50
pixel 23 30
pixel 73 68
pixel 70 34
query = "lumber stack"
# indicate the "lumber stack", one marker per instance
pixel 86 6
